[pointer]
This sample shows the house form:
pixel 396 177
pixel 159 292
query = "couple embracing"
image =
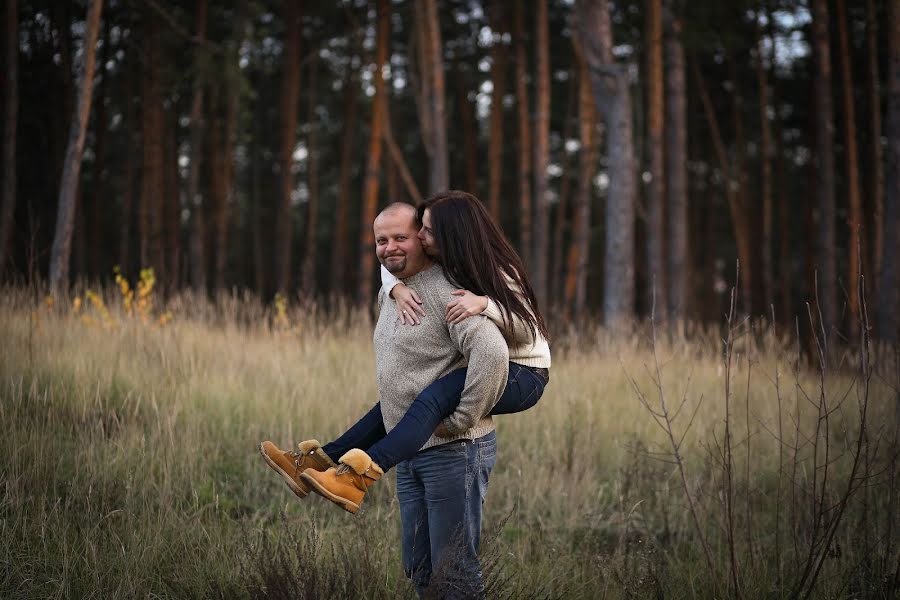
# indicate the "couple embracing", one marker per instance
pixel 459 338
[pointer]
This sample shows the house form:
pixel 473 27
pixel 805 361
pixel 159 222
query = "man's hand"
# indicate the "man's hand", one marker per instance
pixel 408 304
pixel 464 306
pixel 441 431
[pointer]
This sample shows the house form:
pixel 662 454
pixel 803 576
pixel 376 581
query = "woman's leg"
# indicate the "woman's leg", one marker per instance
pixel 362 435
pixel 439 400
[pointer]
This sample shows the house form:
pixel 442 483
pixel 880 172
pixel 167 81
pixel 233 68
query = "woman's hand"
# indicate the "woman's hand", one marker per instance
pixel 408 303
pixel 441 431
pixel 465 306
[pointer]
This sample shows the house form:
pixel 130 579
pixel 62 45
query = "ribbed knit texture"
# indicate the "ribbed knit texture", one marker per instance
pixel 409 358
pixel 528 347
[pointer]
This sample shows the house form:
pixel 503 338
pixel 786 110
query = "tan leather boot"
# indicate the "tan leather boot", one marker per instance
pixel 291 463
pixel 347 484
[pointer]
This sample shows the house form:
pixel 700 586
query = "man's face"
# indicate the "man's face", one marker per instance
pixel 396 244
pixel 426 235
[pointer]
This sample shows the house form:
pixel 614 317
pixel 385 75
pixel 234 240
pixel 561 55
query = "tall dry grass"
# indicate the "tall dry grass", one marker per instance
pixel 128 465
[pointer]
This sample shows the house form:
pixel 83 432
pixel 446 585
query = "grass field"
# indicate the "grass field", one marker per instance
pixel 128 463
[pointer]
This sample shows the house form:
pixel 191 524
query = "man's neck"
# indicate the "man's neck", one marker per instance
pixel 424 267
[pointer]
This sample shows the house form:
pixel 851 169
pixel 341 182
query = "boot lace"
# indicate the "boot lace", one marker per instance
pixel 299 456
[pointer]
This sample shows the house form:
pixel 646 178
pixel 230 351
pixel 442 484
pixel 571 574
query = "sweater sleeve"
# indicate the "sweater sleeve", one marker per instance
pixel 523 333
pixel 479 340
pixel 388 281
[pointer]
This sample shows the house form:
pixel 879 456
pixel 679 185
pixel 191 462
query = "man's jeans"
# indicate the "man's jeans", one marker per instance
pixel 523 389
pixel 441 491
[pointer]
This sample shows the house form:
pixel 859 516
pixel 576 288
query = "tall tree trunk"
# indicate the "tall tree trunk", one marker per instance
pixel 256 198
pixel 370 186
pixel 312 207
pixel 126 226
pixel 522 113
pixel 439 167
pixel 290 90
pixel 10 120
pixel 215 176
pixel 496 143
pixel 172 204
pixel 750 267
pixel 656 237
pixel 827 258
pixel 556 276
pixel 735 208
pixel 152 188
pixel 469 131
pixel 612 97
pixel 232 90
pixel 194 199
pixel 889 288
pixel 855 219
pixel 676 159
pixel 339 266
pixel 541 152
pixel 95 234
pixel 876 158
pixel 62 240
pixel 765 158
pixel 579 246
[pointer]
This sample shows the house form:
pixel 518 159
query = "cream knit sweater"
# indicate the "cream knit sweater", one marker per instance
pixel 528 347
pixel 408 359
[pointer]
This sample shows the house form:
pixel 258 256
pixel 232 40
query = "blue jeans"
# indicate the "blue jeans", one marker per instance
pixel 436 402
pixel 441 491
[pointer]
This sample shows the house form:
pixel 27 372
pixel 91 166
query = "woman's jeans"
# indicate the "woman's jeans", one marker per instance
pixel 523 389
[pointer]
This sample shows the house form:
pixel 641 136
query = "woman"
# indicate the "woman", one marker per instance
pixel 459 234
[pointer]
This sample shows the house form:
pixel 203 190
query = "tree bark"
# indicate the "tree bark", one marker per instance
pixel 612 97
pixel 765 158
pixel 290 90
pixel 339 266
pixel 735 208
pixel 496 143
pixel 876 155
pixel 10 120
pixel 579 246
pixel 889 288
pixel 855 219
pixel 541 152
pixel 197 126
pixel 171 205
pixel 370 186
pixel 312 207
pixel 62 240
pixel 439 170
pixel 827 257
pixel 522 113
pixel 656 237
pixel 95 234
pixel 676 159
pixel 126 227
pixel 469 131
pixel 152 187
pixel 557 274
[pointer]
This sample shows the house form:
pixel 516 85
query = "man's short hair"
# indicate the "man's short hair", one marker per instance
pixel 395 207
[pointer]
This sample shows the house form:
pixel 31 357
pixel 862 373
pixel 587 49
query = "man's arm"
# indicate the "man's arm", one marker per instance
pixel 479 340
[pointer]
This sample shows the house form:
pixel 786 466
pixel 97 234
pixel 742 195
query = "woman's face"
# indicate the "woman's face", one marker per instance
pixel 426 235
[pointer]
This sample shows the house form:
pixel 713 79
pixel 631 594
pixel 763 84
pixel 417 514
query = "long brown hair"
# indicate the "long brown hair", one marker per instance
pixel 476 256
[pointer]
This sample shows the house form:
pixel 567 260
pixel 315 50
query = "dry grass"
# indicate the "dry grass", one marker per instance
pixel 129 468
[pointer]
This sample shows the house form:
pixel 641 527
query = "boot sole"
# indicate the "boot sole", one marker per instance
pixel 349 506
pixel 299 491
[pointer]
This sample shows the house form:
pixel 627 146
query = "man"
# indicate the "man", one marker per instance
pixel 441 490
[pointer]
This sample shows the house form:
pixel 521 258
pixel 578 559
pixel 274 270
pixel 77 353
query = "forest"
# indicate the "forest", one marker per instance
pixel 705 197
pixel 642 156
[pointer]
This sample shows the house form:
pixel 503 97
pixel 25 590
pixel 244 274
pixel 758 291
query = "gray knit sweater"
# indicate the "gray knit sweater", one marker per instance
pixel 408 359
